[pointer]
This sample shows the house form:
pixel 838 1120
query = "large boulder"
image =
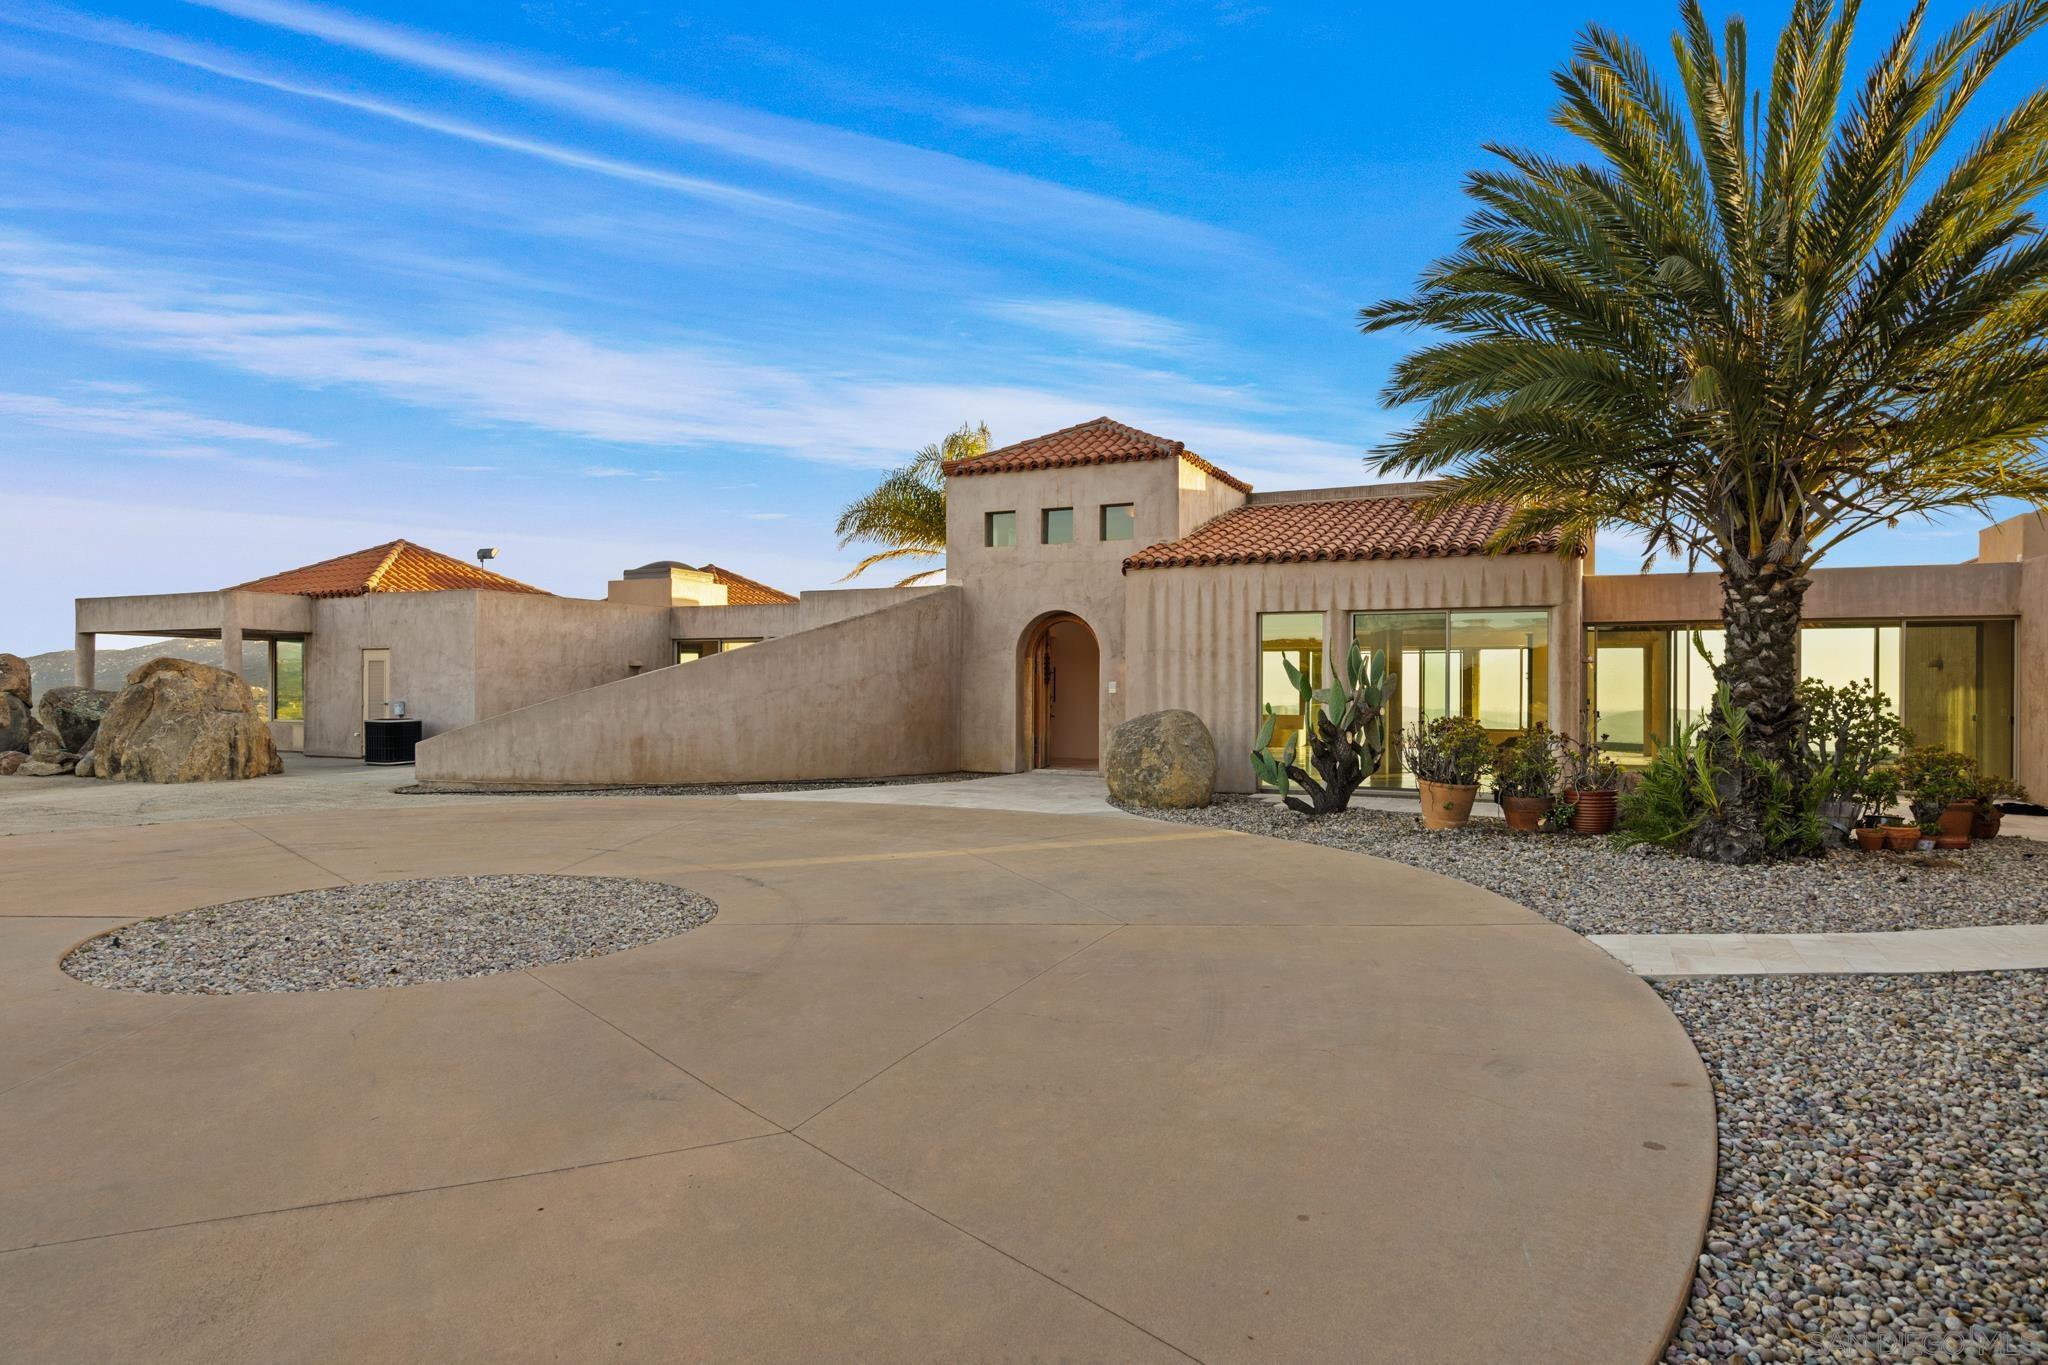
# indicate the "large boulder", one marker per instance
pixel 74 713
pixel 14 679
pixel 15 721
pixel 1165 759
pixel 180 721
pixel 10 763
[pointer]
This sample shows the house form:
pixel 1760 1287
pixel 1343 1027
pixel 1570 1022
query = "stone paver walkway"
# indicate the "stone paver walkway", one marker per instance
pixel 1999 948
pixel 936 1084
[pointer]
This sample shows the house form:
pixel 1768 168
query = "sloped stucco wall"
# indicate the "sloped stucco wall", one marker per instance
pixel 873 696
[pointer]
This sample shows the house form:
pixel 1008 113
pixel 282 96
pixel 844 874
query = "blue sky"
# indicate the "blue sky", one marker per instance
pixel 602 283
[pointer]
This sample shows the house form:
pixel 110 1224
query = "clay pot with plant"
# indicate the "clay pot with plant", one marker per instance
pixel 1592 785
pixel 1941 786
pixel 1447 755
pixel 1987 817
pixel 1901 837
pixel 1870 838
pixel 1525 779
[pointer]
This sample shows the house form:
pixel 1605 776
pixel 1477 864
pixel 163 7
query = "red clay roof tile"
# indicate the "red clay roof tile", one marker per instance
pixel 1349 528
pixel 1100 441
pixel 395 566
pixel 741 591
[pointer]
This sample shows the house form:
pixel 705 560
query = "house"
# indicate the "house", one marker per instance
pixel 351 636
pixel 1100 572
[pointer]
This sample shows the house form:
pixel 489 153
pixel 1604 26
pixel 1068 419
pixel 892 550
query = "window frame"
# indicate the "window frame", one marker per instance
pixel 1102 521
pixel 989 522
pixel 1045 516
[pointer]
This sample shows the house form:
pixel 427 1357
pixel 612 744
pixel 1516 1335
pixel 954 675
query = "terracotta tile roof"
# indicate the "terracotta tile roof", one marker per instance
pixel 396 566
pixel 741 591
pixel 1101 441
pixel 1349 528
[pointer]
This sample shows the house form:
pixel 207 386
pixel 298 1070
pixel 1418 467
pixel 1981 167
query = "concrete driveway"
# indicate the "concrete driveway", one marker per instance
pixel 936 1084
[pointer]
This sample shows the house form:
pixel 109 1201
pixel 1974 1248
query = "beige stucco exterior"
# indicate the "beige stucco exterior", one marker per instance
pixel 801 706
pixel 1193 634
pixel 524 688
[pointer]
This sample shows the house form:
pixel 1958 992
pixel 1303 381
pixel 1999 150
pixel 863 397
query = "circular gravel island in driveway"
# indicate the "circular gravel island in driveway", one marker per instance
pixel 936 1084
pixel 387 934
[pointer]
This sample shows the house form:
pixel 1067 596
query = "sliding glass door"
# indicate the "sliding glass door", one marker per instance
pixel 1490 666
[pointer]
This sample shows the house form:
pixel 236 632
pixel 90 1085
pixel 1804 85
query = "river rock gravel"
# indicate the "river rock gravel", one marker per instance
pixel 387 934
pixel 1883 1190
pixel 1588 885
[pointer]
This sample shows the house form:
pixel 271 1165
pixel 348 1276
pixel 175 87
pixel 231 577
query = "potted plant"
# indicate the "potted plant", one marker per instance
pixel 1941 787
pixel 1852 738
pixel 1525 779
pixel 1592 784
pixel 1869 838
pixel 1987 817
pixel 1447 755
pixel 1930 830
pixel 1900 836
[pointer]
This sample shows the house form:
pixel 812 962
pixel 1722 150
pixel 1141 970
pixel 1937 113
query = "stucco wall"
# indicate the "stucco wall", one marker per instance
pixel 1193 633
pixel 873 696
pixel 1836 594
pixel 2030 667
pixel 1009 591
pixel 185 613
pixel 432 639
pixel 531 648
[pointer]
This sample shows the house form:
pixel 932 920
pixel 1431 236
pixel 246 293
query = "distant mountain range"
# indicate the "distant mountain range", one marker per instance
pixel 111 667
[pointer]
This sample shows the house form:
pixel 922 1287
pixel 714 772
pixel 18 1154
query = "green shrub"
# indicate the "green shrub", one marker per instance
pixel 1526 765
pixel 1852 739
pixel 1453 750
pixel 1934 778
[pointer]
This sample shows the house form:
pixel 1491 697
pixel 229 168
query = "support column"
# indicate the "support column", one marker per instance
pixel 230 635
pixel 84 657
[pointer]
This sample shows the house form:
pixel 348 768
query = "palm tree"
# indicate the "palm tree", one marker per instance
pixel 1747 340
pixel 906 511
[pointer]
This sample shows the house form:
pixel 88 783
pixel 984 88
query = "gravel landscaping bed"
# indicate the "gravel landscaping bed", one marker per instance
pixel 683 788
pixel 1588 885
pixel 387 934
pixel 1883 1190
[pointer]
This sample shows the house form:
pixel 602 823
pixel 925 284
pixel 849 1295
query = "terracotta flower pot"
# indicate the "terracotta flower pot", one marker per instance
pixel 1870 838
pixel 1900 838
pixel 1447 805
pixel 1525 812
pixel 1984 824
pixel 1957 817
pixel 1593 812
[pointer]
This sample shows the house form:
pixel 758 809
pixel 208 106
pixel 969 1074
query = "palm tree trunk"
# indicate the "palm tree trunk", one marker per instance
pixel 1761 604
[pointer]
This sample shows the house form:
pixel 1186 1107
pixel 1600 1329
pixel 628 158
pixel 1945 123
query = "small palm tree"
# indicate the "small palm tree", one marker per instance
pixel 906 511
pixel 1748 341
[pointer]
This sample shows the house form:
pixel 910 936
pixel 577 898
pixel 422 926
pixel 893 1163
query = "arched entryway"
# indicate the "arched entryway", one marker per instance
pixel 1063 713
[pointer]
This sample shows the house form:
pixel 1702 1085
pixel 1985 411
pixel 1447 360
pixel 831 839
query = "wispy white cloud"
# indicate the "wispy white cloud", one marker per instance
pixel 140 420
pixel 214 62
pixel 861 412
pixel 767 516
pixel 996 198
pixel 1098 324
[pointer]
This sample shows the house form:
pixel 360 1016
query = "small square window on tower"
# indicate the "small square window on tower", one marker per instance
pixel 1001 530
pixel 1058 526
pixel 1119 521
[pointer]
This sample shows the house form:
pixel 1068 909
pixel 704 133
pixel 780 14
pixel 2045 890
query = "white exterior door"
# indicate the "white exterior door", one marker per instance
pixel 376 684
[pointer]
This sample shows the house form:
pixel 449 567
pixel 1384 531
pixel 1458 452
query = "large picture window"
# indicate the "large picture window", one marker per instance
pixel 1490 666
pixel 1951 682
pixel 1286 637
